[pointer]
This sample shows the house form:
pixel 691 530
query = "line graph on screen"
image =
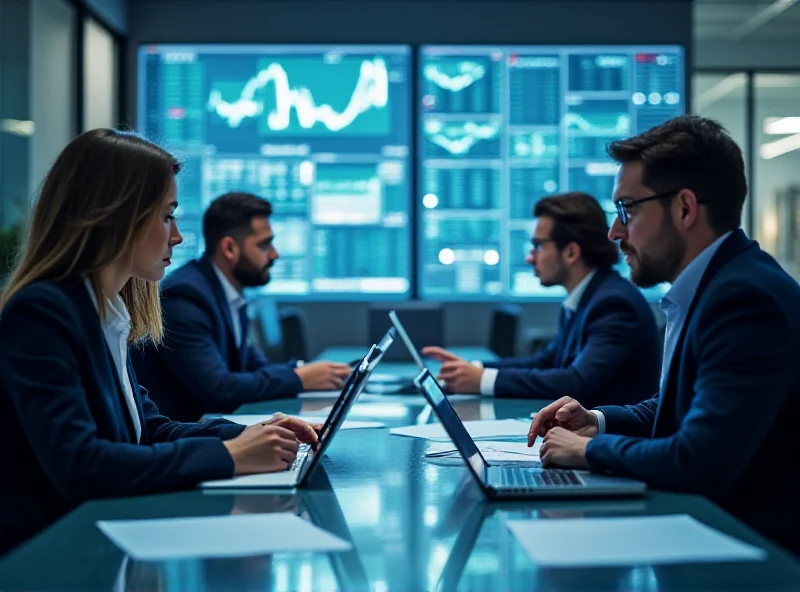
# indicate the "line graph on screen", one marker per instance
pixel 301 95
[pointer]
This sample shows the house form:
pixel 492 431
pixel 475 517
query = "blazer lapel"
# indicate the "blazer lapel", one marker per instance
pixel 730 248
pixel 137 398
pixel 570 328
pixel 210 275
pixel 99 347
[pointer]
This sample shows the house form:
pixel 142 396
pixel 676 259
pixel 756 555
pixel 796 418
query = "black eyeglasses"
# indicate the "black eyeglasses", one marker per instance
pixel 538 243
pixel 624 204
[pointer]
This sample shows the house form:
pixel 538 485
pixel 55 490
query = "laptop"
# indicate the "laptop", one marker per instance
pixel 503 481
pixel 307 459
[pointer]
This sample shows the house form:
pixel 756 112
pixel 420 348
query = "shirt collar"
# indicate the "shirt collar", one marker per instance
pixel 117 313
pixel 685 285
pixel 574 298
pixel 232 295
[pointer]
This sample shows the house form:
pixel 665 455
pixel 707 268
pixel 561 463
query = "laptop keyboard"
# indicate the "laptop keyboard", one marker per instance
pixel 521 478
pixel 302 453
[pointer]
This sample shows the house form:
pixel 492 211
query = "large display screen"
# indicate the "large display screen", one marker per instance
pixel 322 132
pixel 501 127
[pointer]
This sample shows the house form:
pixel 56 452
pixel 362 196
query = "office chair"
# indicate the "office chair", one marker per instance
pixel 293 328
pixel 504 330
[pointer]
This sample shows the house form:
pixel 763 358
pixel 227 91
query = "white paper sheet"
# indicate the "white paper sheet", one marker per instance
pixel 589 542
pixel 314 419
pixel 492 451
pixel 410 399
pixel 493 428
pixel 218 536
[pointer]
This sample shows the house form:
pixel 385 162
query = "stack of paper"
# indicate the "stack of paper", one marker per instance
pixel 312 419
pixel 492 451
pixel 495 428
pixel 218 536
pixel 591 542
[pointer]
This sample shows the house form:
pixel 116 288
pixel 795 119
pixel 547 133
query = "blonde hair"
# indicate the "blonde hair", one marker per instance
pixel 95 203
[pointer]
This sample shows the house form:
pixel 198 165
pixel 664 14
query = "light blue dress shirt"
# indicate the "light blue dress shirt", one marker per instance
pixel 675 304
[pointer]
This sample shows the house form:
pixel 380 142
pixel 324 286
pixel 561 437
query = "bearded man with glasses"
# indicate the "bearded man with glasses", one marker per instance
pixel 723 423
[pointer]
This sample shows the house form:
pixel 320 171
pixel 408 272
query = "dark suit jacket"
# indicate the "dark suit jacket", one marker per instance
pixel 199 368
pixel 725 425
pixel 608 353
pixel 67 434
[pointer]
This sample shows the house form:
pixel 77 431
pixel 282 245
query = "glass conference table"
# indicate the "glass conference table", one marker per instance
pixel 415 523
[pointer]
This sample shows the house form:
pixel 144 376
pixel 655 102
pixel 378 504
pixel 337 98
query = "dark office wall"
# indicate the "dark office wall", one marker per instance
pixel 415 22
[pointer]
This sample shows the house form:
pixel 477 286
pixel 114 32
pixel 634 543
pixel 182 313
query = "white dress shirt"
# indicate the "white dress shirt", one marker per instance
pixel 675 304
pixel 235 302
pixel 117 328
pixel 570 304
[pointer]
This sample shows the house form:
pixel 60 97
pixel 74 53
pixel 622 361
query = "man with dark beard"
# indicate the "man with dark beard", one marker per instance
pixel 724 422
pixel 205 364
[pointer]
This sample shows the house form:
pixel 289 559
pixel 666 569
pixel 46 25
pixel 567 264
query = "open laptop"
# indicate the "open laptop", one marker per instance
pixel 511 480
pixel 307 459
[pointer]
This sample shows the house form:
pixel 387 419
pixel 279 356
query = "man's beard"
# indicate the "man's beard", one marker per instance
pixel 662 260
pixel 250 276
pixel 558 278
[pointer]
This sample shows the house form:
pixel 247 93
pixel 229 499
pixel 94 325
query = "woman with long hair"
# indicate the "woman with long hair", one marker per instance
pixel 75 423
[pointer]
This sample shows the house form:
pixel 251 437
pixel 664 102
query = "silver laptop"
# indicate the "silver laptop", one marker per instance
pixel 515 480
pixel 401 331
pixel 308 459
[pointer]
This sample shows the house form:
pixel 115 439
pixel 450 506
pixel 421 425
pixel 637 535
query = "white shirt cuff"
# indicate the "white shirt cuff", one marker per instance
pixel 488 378
pixel 601 421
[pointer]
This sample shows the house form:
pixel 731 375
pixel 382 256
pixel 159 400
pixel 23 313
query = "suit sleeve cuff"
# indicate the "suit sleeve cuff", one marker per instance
pixel 601 421
pixel 488 378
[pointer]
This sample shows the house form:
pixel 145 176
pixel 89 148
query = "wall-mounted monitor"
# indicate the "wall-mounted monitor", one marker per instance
pixel 501 127
pixel 322 132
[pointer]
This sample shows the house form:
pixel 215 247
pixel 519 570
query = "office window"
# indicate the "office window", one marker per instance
pixel 100 83
pixel 777 167
pixel 53 25
pixel 724 97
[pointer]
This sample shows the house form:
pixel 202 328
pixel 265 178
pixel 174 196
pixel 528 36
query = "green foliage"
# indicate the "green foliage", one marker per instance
pixel 10 238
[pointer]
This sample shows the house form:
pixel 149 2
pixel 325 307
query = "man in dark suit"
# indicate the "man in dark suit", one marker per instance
pixel 607 348
pixel 205 364
pixel 724 422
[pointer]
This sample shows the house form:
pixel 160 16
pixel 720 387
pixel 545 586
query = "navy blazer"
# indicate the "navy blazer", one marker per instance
pixel 67 434
pixel 199 368
pixel 725 425
pixel 609 352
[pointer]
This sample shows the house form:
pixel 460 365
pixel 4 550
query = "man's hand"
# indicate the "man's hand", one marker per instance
pixel 461 377
pixel 262 448
pixel 566 413
pixel 564 449
pixel 439 353
pixel 323 376
pixel 303 431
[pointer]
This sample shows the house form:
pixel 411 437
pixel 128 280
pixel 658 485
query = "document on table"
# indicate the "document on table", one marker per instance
pixel 488 429
pixel 219 536
pixel 492 451
pixel 592 542
pixel 313 419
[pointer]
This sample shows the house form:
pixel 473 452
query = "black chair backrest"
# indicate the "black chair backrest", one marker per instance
pixel 293 327
pixel 423 321
pixel 504 330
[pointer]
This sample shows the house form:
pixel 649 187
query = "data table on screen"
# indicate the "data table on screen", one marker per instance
pixel 500 127
pixel 321 131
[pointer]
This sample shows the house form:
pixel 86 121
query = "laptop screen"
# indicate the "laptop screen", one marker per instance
pixel 387 341
pixel 406 339
pixel 452 423
pixel 352 389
